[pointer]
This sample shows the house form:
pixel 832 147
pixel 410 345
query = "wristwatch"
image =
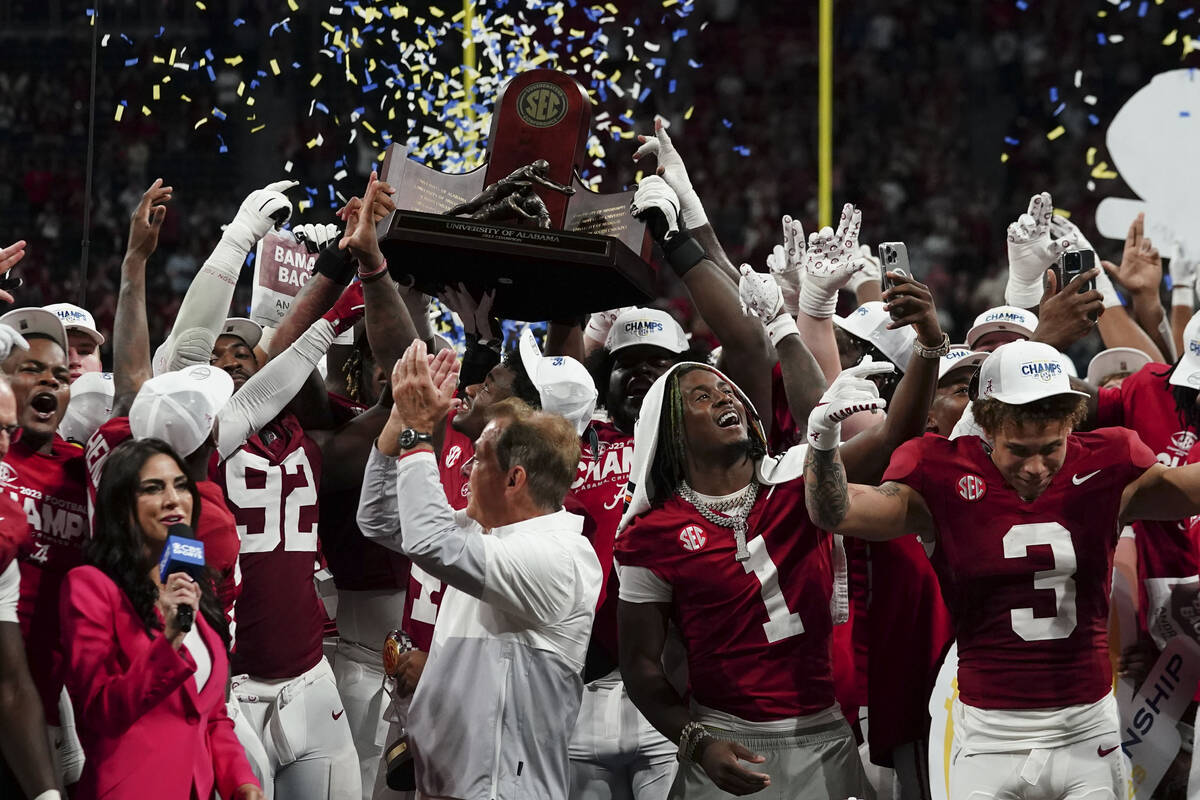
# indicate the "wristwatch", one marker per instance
pixel 411 437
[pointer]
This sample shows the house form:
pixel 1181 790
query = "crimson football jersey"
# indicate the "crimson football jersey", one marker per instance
pixel 51 489
pixel 757 632
pixel 1027 582
pixel 214 527
pixel 15 535
pixel 1144 403
pixel 270 484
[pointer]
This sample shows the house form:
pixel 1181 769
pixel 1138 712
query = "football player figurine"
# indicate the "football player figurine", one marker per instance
pixel 513 197
pixel 1024 520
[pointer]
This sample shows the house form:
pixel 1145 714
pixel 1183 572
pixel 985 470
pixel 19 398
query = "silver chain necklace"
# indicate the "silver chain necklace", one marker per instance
pixel 729 513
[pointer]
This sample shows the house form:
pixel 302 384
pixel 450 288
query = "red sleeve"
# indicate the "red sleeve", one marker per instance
pixel 107 696
pixel 905 460
pixel 784 432
pixel 15 534
pixel 229 756
pixel 1110 407
pixel 1141 457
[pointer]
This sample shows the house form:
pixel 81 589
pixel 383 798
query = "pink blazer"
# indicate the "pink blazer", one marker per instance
pixel 144 728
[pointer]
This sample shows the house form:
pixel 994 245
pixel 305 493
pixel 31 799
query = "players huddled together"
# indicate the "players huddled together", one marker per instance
pixel 612 565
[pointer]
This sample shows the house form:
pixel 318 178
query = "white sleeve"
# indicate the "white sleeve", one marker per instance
pixel 378 513
pixel 966 425
pixel 641 585
pixel 10 592
pixel 205 307
pixel 270 389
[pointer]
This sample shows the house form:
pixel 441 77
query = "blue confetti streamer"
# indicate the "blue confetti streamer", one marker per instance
pixel 224 149
pixel 1053 94
pixel 1010 140
pixel 1142 8
pixel 1060 108
pixel 1124 5
pixel 1187 12
pixel 1021 4
pixel 1185 113
pixel 726 123
pixel 1092 118
pixel 218 113
pixel 129 62
pixel 239 22
pixel 212 76
pixel 671 87
pixel 1100 38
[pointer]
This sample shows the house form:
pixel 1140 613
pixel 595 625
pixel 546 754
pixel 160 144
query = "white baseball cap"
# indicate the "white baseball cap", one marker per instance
pixel 75 318
pixel 90 406
pixel 564 385
pixel 1022 372
pixel 1002 318
pixel 1114 361
pixel 870 323
pixel 245 329
pixel 180 407
pixel 646 326
pixel 1186 372
pixel 959 357
pixel 37 320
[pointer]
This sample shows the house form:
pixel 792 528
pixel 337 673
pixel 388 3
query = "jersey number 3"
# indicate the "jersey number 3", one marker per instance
pixel 1059 580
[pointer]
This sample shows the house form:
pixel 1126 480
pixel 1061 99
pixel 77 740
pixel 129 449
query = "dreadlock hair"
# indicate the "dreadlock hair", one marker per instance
pixel 352 372
pixel 669 467
pixel 1185 398
pixel 522 386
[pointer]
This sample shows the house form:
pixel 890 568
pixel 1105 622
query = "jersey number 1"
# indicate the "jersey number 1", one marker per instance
pixel 781 621
pixel 1060 580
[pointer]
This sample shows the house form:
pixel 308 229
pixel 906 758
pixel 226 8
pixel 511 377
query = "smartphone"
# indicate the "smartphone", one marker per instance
pixel 1070 264
pixel 893 257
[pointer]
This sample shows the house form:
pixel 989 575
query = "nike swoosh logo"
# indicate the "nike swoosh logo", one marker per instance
pixel 1076 479
pixel 338 714
pixel 1103 751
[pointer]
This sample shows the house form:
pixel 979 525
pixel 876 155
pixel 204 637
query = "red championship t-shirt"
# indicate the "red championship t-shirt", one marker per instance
pixel 51 489
pixel 270 485
pixel 757 632
pixel 1027 582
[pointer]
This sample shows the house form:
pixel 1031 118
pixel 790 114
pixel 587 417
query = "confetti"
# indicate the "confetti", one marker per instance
pixel 1057 132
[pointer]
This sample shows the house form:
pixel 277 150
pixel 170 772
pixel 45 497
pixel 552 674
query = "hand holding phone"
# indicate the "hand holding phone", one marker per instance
pixel 893 257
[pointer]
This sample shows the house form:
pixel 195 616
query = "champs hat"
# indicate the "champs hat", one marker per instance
pixel 26 321
pixel 959 357
pixel 180 407
pixel 90 406
pixel 1002 318
pixel 564 385
pixel 75 318
pixel 1115 361
pixel 646 326
pixel 869 322
pixel 1022 372
pixel 247 330
pixel 1186 372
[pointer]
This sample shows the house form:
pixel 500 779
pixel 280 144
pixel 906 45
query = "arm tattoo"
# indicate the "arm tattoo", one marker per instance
pixel 825 490
pixel 889 489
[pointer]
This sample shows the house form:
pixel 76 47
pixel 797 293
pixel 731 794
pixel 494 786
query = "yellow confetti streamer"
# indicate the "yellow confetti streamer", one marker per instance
pixel 185 98
pixel 259 128
pixel 312 143
pixel 1102 172
pixel 145 111
pixel 171 60
pixel 1091 156
pixel 274 66
pixel 201 6
pixel 1003 157
pixel 1057 132
pixel 201 122
pixel 688 114
pixel 120 112
pixel 1188 46
pixel 157 92
pixel 293 5
pixel 437 12
pixel 316 79
pixel 241 88
pixel 1169 39
pixel 1062 212
pixel 233 62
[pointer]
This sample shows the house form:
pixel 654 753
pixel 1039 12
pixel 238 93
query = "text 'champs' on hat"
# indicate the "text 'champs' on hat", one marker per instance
pixel 647 326
pixel 1022 372
pixel 77 319
pixel 1002 319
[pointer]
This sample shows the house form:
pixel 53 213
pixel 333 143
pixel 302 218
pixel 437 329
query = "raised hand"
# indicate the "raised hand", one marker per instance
pixel 262 210
pixel 1141 268
pixel 672 169
pixel 1182 267
pixel 911 303
pixel 829 263
pixel 179 590
pixel 601 322
pixel 851 392
pixel 657 204
pixel 1031 251
pixel 361 237
pixel 9 258
pixel 871 269
pixel 786 263
pixel 476 315
pixel 1066 317
pixel 147 219
pixel 419 402
pixel 316 237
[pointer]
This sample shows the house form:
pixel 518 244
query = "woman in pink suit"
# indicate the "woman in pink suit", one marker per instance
pixel 149 698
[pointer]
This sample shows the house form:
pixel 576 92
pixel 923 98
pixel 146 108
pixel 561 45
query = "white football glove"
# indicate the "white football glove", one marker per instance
pixel 1031 252
pixel 10 340
pixel 659 145
pixel 786 262
pixel 601 322
pixel 870 270
pixel 262 210
pixel 829 264
pixel 762 297
pixel 850 393
pixel 1181 266
pixel 1062 228
pixel 317 236
pixel 655 193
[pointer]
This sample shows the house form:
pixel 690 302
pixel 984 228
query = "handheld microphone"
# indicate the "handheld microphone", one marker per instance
pixel 182 553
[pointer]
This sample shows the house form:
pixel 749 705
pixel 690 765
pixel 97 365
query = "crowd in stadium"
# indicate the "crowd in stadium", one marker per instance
pixel 615 563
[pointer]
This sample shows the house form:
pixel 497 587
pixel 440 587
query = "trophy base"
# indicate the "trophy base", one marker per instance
pixel 401 774
pixel 537 274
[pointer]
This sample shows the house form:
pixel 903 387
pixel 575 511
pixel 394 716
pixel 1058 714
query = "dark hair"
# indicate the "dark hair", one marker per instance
pixel 995 416
pixel 600 363
pixel 522 387
pixel 669 467
pixel 118 546
pixel 545 444
pixel 1185 398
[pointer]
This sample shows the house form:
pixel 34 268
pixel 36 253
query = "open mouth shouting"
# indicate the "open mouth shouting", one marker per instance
pixel 729 419
pixel 43 406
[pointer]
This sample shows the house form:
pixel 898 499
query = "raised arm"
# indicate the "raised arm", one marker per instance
pixel 787 263
pixel 1182 268
pixel 206 304
pixel 1162 493
pixel 131 333
pixel 1140 275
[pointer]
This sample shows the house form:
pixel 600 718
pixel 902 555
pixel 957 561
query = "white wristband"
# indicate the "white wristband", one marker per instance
pixel 691 211
pixel 821 434
pixel 817 301
pixel 781 327
pixel 1104 285
pixel 1023 294
pixel 1183 296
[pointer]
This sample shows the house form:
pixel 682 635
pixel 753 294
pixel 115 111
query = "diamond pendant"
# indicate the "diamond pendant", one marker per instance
pixel 739 538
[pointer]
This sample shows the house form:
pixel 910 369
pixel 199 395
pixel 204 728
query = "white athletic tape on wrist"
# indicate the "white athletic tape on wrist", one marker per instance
pixel 781 327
